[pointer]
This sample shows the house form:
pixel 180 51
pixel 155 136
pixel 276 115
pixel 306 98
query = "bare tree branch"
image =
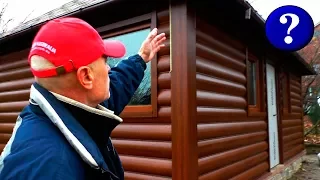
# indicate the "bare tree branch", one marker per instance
pixel 24 20
pixel 309 84
pixel 5 23
pixel 315 56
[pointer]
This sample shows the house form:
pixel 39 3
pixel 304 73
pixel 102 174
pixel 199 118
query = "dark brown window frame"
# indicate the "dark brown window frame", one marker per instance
pixel 256 110
pixel 285 90
pixel 127 26
pixel 290 78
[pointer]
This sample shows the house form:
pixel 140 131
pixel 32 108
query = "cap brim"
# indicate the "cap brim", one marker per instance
pixel 114 48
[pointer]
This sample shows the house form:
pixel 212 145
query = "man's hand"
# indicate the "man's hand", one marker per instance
pixel 151 45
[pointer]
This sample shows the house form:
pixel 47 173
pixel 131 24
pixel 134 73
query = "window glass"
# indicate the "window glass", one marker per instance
pixel 133 41
pixel 252 80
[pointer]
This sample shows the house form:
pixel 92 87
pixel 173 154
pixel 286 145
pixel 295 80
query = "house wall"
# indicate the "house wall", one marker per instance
pixel 143 140
pixel 232 138
pixel 231 145
pixel 15 81
pixel 291 124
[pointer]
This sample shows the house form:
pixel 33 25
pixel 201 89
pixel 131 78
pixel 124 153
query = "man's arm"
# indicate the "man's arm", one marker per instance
pixel 125 78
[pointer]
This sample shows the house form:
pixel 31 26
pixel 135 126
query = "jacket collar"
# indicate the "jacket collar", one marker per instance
pixel 100 110
pixel 77 136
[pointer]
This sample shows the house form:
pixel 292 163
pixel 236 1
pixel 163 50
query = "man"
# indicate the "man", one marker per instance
pixel 64 133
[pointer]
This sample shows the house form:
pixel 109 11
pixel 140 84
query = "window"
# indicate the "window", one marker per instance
pixel 133 41
pixel 252 78
pixel 132 32
pixel 254 86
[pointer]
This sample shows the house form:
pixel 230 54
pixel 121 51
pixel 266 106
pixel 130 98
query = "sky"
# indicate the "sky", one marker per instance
pixel 18 10
pixel 265 7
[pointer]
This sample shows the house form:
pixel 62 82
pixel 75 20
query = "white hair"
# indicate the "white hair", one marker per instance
pixel 40 63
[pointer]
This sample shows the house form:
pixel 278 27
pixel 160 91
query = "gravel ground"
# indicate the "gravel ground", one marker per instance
pixel 310 169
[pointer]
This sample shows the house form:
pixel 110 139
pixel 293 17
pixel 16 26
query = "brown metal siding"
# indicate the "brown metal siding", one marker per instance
pixel 15 82
pixel 291 120
pixel 231 145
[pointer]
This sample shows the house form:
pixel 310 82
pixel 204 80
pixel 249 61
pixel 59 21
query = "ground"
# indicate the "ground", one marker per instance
pixel 310 169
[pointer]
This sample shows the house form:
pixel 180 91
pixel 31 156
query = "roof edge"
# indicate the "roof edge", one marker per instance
pixel 300 58
pixel 38 25
pixel 261 22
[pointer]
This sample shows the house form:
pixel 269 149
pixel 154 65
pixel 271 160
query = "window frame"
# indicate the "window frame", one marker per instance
pixel 255 110
pixel 290 77
pixel 285 90
pixel 131 25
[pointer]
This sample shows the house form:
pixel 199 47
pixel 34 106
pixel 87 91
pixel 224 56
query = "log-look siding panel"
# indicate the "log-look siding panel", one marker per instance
pixel 144 144
pixel 15 82
pixel 231 144
pixel 291 120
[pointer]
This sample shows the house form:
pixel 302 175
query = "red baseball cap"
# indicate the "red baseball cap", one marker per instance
pixel 70 43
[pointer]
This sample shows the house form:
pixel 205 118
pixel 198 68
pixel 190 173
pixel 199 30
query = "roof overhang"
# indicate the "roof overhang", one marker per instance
pixel 305 68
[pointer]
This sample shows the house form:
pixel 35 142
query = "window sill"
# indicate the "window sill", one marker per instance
pixel 137 111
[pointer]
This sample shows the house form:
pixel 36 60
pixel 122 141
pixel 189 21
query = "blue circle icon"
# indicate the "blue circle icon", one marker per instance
pixel 289 28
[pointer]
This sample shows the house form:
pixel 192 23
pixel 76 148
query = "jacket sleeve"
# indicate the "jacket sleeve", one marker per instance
pixel 125 78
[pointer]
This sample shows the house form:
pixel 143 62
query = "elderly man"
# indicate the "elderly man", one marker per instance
pixel 64 133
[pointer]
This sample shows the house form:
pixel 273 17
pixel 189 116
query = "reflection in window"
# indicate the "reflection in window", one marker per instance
pixel 133 41
pixel 252 81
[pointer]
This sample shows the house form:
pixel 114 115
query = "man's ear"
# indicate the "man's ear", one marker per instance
pixel 85 77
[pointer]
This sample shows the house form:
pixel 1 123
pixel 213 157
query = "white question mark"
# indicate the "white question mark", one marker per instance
pixel 295 21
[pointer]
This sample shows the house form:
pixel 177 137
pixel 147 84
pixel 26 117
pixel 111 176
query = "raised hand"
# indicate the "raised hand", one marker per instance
pixel 151 45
